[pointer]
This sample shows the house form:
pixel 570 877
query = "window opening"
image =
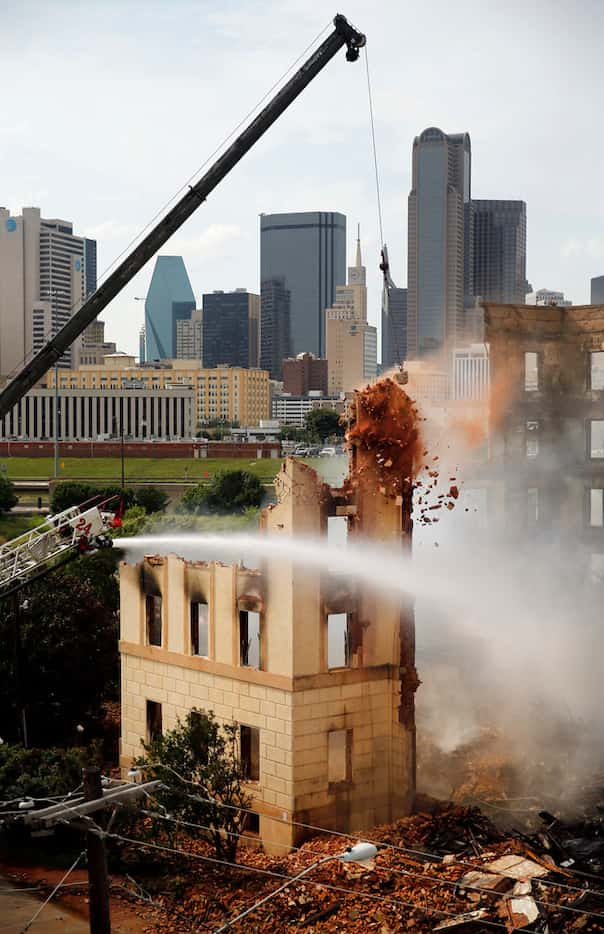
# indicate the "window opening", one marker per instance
pixel 252 822
pixel 596 508
pixel 532 505
pixel 531 372
pixel 596 438
pixel 596 380
pixel 532 439
pixel 339 756
pixel 249 638
pixel 338 640
pixel 153 611
pixel 199 629
pixel 250 752
pixel 154 724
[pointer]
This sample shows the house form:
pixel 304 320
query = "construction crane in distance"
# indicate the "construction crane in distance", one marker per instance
pixel 343 34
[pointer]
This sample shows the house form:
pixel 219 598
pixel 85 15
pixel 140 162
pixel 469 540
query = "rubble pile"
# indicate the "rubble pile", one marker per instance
pixel 450 870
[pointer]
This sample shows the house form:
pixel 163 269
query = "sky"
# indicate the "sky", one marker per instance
pixel 109 107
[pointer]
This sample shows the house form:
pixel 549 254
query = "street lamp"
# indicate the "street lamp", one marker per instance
pixel 54 329
pixel 114 432
pixel 358 853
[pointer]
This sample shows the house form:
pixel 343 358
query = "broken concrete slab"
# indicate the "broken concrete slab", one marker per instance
pixel 516 867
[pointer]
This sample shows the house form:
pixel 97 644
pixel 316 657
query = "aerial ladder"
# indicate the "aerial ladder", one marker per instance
pixel 57 540
pixel 344 34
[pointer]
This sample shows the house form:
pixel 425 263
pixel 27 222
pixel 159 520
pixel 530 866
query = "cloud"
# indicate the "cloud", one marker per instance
pixel 207 244
pixel 112 230
pixel 592 248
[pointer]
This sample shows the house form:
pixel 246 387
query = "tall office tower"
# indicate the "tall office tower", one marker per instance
pixel 43 282
pixel 597 290
pixel 231 329
pixel 142 345
pixel 275 325
pixel 189 337
pixel 307 251
pixel 499 244
pixel 169 299
pixel 439 246
pixel 394 327
pixel 90 267
pixel 351 342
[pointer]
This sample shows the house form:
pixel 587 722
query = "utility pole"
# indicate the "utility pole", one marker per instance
pixel 100 918
pixel 18 666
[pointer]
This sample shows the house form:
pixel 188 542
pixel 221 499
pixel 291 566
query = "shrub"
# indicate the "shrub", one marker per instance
pixel 151 499
pixel 8 497
pixel 228 491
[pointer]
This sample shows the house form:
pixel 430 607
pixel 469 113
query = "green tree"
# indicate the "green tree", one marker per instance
pixel 8 497
pixel 73 493
pixel 324 424
pixel 227 491
pixel 199 764
pixel 69 651
pixel 151 498
pixel 42 773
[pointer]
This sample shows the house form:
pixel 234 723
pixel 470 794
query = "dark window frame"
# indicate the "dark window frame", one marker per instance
pixel 195 630
pixel 249 746
pixel 153 712
pixel 153 619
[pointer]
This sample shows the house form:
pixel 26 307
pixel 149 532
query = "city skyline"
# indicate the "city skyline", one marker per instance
pixel 319 154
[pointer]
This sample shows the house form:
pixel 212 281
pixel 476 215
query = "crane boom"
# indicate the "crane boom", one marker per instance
pixel 28 376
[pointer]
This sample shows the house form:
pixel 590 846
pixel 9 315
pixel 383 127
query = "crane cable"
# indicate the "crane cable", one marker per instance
pixel 393 334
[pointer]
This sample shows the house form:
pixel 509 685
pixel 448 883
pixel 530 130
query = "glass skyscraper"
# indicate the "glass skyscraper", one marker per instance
pixel 169 299
pixel 439 241
pixel 499 251
pixel 231 329
pixel 308 252
pixel 394 327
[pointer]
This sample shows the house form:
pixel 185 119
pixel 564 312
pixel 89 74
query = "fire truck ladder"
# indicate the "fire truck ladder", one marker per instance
pixel 63 536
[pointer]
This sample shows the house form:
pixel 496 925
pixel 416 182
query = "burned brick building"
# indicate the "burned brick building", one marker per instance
pixel 317 670
pixel 547 423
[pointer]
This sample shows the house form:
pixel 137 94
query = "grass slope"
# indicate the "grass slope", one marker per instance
pixel 137 469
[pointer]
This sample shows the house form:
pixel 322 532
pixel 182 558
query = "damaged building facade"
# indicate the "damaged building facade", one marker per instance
pixel 547 419
pixel 318 672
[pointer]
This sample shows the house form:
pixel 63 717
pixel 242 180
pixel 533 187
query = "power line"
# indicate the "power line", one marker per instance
pixel 54 891
pixel 279 875
pixel 424 854
pixel 187 184
pixel 401 872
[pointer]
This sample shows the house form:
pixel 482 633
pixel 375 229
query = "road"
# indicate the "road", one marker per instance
pixel 18 907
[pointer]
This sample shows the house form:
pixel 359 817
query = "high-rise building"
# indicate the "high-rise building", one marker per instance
pixel 275 330
pixel 231 329
pixel 597 290
pixel 189 337
pixel 93 348
pixel 90 265
pixel 307 251
pixel 169 299
pixel 498 230
pixel 439 246
pixel 394 327
pixel 351 342
pixel 43 281
pixel 142 345
pixel 303 374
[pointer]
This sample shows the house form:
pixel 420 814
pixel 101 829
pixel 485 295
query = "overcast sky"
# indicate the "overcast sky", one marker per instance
pixel 108 107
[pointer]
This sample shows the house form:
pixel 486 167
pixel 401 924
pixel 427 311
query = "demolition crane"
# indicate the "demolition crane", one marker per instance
pixel 344 34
